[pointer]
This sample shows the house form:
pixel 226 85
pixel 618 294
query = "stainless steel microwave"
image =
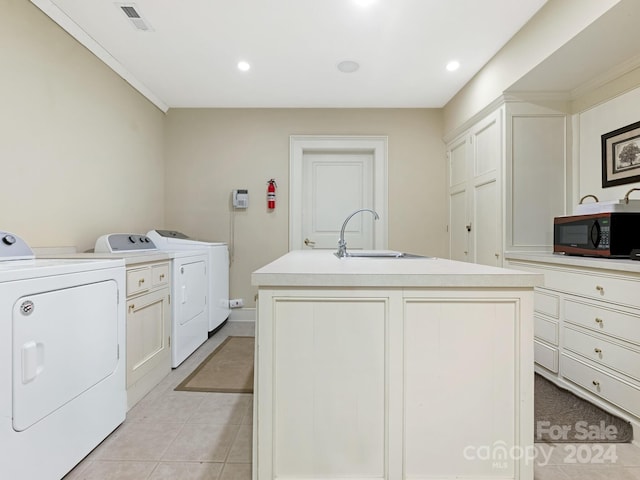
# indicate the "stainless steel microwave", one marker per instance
pixel 612 234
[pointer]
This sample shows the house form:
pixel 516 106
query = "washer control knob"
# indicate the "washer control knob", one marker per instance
pixel 8 239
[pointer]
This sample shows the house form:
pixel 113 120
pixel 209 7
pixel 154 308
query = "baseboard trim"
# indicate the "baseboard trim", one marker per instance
pixel 242 315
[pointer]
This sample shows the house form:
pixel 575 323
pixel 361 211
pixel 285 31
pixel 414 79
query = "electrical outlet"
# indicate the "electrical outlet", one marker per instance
pixel 236 303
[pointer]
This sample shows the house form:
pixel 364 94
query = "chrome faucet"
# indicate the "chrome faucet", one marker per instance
pixel 342 244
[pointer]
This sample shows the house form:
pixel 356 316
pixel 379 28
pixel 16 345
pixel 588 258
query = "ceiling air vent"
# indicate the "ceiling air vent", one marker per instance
pixel 134 17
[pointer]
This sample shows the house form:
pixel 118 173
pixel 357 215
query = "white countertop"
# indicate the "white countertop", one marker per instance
pixel 616 264
pixel 321 268
pixel 130 258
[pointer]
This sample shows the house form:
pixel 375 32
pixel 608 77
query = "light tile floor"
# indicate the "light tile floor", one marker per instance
pixel 179 435
pixel 208 436
pixel 585 461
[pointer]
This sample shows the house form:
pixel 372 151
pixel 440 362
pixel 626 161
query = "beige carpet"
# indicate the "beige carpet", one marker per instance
pixel 562 417
pixel 228 369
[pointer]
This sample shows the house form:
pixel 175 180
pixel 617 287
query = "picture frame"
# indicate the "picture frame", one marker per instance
pixel 621 156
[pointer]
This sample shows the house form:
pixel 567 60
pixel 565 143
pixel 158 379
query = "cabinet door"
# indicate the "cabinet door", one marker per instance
pixel 486 159
pixel 458 221
pixel 458 169
pixel 327 389
pixel 148 327
pixel 460 373
pixel 485 230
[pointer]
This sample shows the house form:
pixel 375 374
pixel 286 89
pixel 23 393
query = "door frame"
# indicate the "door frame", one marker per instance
pixel 376 145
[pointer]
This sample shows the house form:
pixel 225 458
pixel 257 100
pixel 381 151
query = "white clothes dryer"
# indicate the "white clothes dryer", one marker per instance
pixel 218 253
pixel 189 289
pixel 62 362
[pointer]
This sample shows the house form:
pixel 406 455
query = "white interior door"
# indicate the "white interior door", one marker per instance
pixel 331 177
pixel 335 185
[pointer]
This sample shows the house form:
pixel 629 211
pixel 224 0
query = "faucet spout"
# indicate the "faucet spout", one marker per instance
pixel 342 244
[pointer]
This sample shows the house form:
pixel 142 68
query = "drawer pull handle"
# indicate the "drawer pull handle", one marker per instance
pixel 596 384
pixel 600 288
pixel 597 350
pixel 132 307
pixel 599 321
pixel 162 276
pixel 141 281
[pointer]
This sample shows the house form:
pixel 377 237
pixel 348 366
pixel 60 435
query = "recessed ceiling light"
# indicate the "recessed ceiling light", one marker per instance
pixel 453 65
pixel 364 3
pixel 243 66
pixel 348 66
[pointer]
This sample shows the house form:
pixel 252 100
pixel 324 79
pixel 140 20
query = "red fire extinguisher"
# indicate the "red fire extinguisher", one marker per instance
pixel 271 194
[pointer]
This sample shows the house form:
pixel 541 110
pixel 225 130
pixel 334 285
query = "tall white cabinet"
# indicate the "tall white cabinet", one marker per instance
pixel 475 159
pixel 507 180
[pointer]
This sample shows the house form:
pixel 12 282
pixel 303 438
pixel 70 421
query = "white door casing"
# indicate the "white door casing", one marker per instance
pixel 332 176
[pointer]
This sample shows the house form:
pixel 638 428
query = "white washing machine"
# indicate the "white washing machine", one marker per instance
pixel 62 361
pixel 218 253
pixel 189 289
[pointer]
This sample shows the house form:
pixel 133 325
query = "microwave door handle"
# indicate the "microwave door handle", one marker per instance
pixel 595 234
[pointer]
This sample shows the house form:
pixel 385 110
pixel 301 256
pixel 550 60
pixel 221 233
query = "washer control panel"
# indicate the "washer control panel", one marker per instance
pixel 12 247
pixel 172 234
pixel 124 242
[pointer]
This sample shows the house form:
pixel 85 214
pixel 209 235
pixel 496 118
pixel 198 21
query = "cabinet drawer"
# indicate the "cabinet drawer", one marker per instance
pixel 612 389
pixel 591 283
pixel 547 303
pixel 545 356
pixel 599 350
pixel 160 275
pixel 604 320
pixel 138 280
pixel 545 329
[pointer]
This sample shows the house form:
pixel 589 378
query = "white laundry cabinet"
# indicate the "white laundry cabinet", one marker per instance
pixel 148 327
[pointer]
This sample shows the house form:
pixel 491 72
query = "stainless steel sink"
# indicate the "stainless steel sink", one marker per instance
pixel 380 254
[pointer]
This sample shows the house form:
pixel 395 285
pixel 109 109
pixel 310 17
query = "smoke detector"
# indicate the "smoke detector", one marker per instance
pixel 134 16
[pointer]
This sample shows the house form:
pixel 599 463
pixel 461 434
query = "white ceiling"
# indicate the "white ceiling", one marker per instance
pixel 189 57
pixel 608 46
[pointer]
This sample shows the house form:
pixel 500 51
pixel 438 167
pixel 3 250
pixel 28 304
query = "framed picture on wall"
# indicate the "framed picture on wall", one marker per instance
pixel 621 156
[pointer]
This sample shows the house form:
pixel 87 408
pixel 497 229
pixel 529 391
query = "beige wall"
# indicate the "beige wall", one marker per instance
pixel 83 154
pixel 594 122
pixel 210 152
pixel 555 24
pixel 80 150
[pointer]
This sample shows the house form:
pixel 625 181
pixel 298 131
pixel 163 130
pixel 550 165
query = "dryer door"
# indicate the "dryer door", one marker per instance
pixel 192 291
pixel 64 342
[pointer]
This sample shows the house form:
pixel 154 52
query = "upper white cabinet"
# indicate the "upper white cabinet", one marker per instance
pixel 507 180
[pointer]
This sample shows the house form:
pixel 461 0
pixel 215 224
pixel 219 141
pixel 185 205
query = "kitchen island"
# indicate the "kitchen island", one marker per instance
pixel 392 368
